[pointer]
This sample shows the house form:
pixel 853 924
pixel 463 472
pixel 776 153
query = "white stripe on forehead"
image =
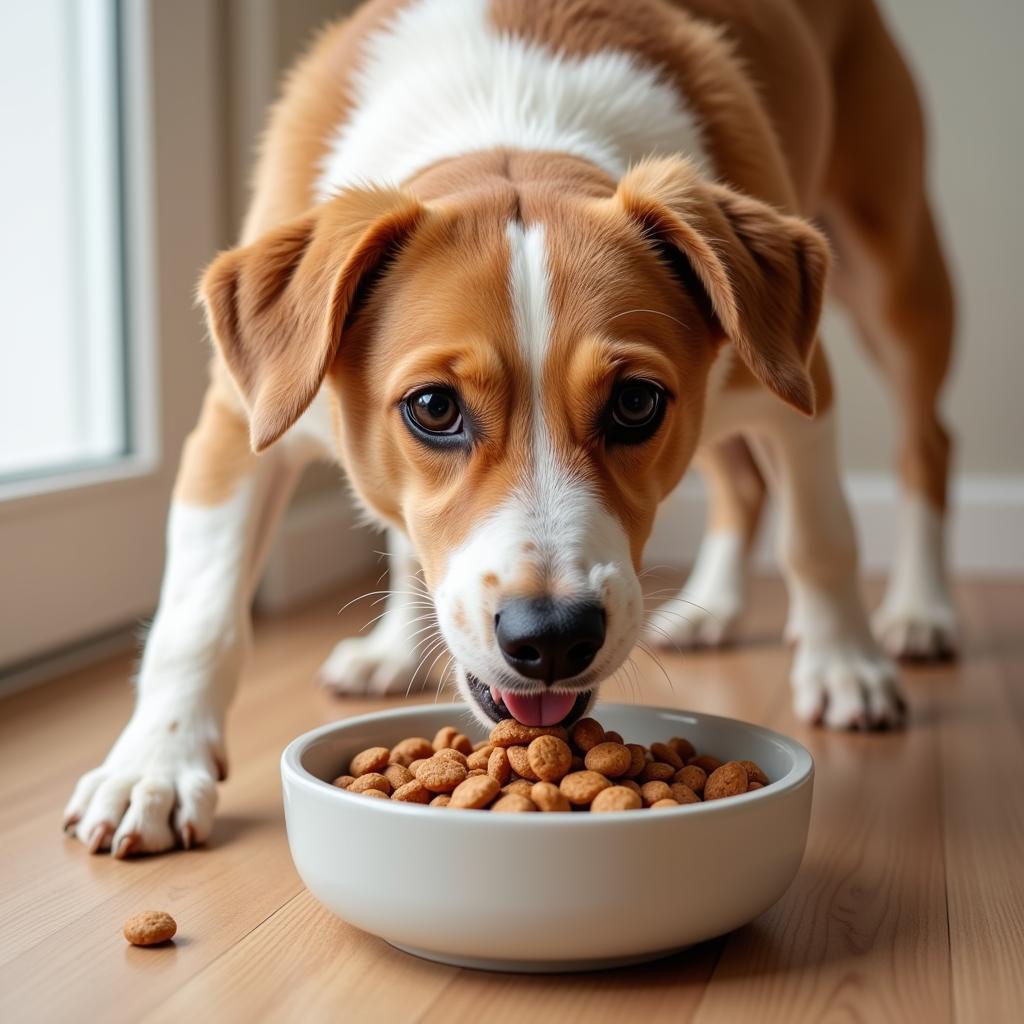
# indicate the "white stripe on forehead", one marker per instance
pixel 530 293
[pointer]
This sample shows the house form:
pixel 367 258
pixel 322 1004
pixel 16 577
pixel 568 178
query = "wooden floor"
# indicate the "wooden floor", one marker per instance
pixel 909 905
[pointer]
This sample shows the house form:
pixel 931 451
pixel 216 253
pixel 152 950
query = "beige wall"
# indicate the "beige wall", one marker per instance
pixel 966 57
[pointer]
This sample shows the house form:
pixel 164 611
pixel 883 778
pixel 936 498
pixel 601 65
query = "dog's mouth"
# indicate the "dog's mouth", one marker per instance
pixel 529 708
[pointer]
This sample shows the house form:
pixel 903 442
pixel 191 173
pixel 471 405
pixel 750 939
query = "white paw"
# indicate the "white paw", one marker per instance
pixel 684 624
pixel 846 686
pixel 156 789
pixel 922 631
pixel 376 664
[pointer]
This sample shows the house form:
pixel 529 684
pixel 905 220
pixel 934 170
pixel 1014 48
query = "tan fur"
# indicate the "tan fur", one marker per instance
pixel 758 78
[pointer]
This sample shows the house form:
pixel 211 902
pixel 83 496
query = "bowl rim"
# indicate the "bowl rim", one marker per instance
pixel 292 770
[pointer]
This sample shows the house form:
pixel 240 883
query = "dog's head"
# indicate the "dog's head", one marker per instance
pixel 519 379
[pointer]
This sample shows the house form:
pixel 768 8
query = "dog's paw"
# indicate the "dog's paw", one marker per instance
pixel 374 665
pixel 684 624
pixel 156 790
pixel 851 686
pixel 917 631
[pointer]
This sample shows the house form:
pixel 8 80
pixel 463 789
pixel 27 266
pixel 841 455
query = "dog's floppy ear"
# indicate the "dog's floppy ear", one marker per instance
pixel 276 308
pixel 762 273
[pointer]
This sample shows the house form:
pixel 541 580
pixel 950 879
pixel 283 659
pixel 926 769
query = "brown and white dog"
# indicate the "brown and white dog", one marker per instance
pixel 513 263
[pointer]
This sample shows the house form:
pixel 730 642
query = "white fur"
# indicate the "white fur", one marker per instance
pixel 707 609
pixel 580 548
pixel 396 653
pixel 441 81
pixel 916 618
pixel 157 784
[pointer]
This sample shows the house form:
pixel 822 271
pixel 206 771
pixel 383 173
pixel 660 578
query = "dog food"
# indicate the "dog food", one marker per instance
pixel 149 928
pixel 526 768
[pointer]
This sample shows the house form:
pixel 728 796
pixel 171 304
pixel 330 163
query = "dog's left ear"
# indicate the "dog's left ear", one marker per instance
pixel 277 308
pixel 761 273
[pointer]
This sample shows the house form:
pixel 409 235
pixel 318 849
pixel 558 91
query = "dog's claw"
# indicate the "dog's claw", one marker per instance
pixel 69 823
pixel 127 846
pixel 188 837
pixel 99 835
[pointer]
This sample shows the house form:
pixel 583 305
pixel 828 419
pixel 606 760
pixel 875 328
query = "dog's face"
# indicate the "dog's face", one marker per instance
pixel 518 386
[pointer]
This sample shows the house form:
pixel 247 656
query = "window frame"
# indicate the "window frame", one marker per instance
pixel 99 530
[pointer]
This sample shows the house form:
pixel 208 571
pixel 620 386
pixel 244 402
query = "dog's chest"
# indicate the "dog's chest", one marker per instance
pixel 442 81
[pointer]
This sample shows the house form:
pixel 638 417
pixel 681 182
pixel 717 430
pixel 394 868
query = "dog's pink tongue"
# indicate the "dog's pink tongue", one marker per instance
pixel 539 708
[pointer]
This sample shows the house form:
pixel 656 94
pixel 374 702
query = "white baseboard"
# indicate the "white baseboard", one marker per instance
pixel 320 546
pixel 986 535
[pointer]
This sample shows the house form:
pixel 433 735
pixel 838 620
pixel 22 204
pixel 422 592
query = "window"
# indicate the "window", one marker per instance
pixel 62 367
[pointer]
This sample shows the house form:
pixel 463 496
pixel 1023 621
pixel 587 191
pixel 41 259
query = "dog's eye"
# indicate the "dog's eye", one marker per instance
pixel 636 411
pixel 435 411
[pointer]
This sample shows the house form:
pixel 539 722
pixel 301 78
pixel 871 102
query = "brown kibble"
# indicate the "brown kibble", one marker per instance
pixel 412 749
pixel 441 800
pixel 578 763
pixel 548 797
pixel 441 774
pixel 372 780
pixel 693 776
pixel 682 794
pixel 478 759
pixel 372 760
pixel 652 792
pixel 754 773
pixel 462 743
pixel 664 753
pixel 398 776
pixel 549 757
pixel 611 736
pixel 611 759
pixel 150 928
pixel 498 766
pixel 637 760
pixel 343 781
pixel 474 772
pixel 683 747
pixel 443 737
pixel 581 787
pixel 630 784
pixel 705 761
pixel 453 755
pixel 657 771
pixel 377 794
pixel 480 744
pixel 520 761
pixel 475 793
pixel 512 803
pixel 413 792
pixel 414 766
pixel 586 733
pixel 510 733
pixel 729 780
pixel 751 786
pixel 616 798
pixel 661 805
pixel 520 787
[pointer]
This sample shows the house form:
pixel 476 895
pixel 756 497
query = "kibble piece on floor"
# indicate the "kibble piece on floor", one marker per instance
pixel 150 928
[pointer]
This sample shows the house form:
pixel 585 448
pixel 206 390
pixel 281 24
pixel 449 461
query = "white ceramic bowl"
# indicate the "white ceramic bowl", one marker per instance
pixel 546 892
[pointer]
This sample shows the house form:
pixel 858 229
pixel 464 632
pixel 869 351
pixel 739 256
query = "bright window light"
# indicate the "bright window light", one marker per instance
pixel 63 376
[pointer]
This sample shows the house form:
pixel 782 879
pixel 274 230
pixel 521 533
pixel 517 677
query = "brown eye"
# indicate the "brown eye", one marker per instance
pixel 435 411
pixel 635 411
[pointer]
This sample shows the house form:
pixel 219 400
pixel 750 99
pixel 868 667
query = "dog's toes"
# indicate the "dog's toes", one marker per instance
pixel 366 665
pixel 926 633
pixel 682 625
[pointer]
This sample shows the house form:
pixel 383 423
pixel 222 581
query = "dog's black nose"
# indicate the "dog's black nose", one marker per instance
pixel 547 639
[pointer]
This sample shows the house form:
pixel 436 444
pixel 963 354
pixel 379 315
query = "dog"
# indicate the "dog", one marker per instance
pixel 514 264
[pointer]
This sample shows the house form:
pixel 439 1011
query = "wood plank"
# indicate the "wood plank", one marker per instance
pixel 982 752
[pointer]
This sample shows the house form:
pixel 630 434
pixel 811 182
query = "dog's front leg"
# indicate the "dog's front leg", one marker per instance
pixel 157 786
pixel 840 675
pixel 396 653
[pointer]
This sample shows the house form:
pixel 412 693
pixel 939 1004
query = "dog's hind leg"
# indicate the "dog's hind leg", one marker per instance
pixel 707 609
pixel 397 652
pixel 890 274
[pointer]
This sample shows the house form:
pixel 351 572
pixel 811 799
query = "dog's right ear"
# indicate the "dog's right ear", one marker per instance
pixel 276 308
